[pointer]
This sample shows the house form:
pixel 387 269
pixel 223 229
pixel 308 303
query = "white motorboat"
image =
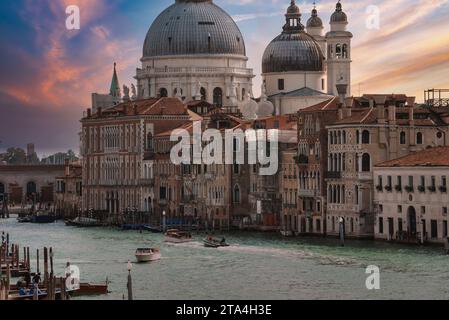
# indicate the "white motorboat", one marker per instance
pixel 176 236
pixel 287 233
pixel 148 254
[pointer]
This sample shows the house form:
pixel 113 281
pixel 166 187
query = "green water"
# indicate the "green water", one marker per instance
pixel 256 266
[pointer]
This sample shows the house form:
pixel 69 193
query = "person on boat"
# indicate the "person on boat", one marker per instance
pixel 37 278
pixel 23 291
pixel 223 241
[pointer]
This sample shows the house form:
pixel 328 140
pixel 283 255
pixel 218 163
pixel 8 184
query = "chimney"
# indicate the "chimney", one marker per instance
pixel 67 167
pixel 342 90
pixel 411 101
pixel 100 111
pixel 392 112
pixel 411 115
pixel 89 112
pixel 380 106
pixel 348 107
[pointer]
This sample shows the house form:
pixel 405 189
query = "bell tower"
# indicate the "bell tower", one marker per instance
pixel 338 52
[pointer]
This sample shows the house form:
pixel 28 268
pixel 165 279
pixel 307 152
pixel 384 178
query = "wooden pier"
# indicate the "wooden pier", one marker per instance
pixel 14 264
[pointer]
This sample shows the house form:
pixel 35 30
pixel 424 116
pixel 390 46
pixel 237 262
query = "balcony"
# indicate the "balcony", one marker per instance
pixel 432 189
pixel 333 175
pixel 388 188
pixel 302 159
pixel 422 189
pixel 379 188
pixel 409 189
pixel 398 188
pixel 163 202
pixel 147 182
pixel 443 189
pixel 365 176
pixel 307 193
pixel 149 155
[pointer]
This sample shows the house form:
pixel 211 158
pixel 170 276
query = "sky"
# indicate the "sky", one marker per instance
pixel 47 73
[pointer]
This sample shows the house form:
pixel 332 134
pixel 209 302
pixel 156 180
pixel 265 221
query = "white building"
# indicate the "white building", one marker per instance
pixel 302 67
pixel 411 197
pixel 194 50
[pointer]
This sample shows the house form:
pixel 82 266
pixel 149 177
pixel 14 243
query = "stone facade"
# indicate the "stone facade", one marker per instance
pixel 411 198
pixel 68 190
pixel 371 130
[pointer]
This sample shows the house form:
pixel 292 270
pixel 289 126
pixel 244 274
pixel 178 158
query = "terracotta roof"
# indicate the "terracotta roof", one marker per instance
pixel 359 116
pixel 434 157
pixel 152 106
pixel 331 104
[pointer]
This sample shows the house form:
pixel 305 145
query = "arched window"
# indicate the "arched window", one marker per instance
pixel 243 94
pixel 366 163
pixel 150 142
pixel 163 93
pixel 366 137
pixel 236 194
pixel 403 138
pixel 345 51
pixel 344 137
pixel 338 51
pixel 218 97
pixel 31 188
pixel 203 93
pixel 419 138
pixel 357 137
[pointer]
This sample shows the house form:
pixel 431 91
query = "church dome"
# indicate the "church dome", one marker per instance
pixel 293 49
pixel 191 27
pixel 339 15
pixel 314 21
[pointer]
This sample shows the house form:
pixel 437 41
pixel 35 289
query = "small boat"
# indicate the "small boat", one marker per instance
pixel 82 222
pixel 287 233
pixel 176 236
pixel 43 217
pixel 152 229
pixel 213 243
pixel 148 254
pixel 26 219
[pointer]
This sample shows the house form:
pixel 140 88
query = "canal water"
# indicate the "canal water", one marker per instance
pixel 256 266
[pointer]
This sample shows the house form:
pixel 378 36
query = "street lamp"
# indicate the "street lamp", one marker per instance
pixel 164 221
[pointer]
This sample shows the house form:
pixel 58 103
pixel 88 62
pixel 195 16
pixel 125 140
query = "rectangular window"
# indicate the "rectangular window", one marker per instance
pixel 400 224
pixel 443 181
pixel 399 209
pixel 445 229
pixel 410 181
pixel 433 182
pixel 434 229
pixel 281 84
pixel 322 84
pixel 423 181
pixel 400 182
pixel 381 208
pixel 389 181
pixel 318 206
pixel 423 210
pixel 444 210
pixel 381 225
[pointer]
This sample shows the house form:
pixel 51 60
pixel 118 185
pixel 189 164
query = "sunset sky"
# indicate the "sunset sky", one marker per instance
pixel 47 72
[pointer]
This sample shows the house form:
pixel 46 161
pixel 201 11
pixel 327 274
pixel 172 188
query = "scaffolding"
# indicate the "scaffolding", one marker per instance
pixel 436 97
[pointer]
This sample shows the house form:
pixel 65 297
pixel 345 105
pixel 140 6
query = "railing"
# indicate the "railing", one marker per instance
pixel 163 202
pixel 202 70
pixel 365 176
pixel 149 155
pixel 147 182
pixel 333 175
pixel 307 193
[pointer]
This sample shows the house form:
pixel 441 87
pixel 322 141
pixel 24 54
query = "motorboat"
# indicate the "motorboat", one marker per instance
pixel 287 233
pixel 25 219
pixel 148 254
pixel 213 243
pixel 83 222
pixel 176 236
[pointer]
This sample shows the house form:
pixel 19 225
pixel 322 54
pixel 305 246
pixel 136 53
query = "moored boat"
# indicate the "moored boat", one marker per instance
pixel 83 222
pixel 148 254
pixel 43 217
pixel 176 236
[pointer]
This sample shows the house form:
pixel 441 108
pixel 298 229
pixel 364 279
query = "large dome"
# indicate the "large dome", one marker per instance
pixel 191 27
pixel 293 49
pixel 292 52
